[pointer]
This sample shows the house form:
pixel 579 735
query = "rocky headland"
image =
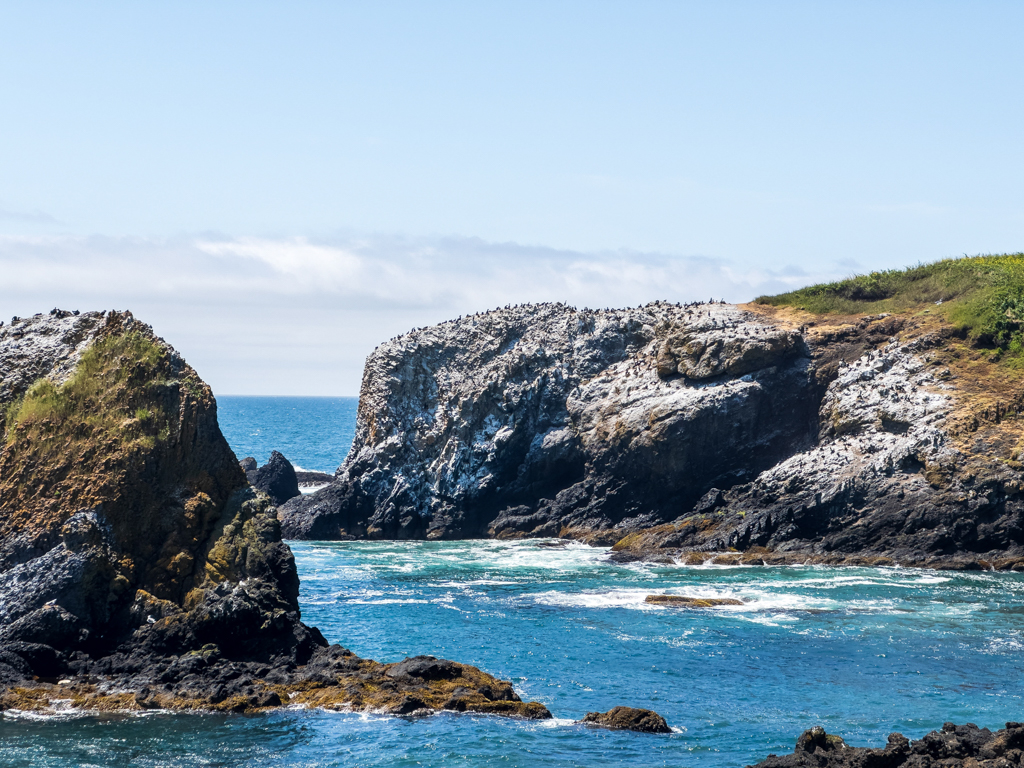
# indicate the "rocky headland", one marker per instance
pixel 763 433
pixel 139 569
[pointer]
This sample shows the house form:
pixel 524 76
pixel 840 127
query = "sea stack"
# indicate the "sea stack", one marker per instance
pixel 138 568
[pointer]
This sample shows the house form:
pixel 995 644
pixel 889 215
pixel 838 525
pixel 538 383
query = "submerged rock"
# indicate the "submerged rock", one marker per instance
pixel 628 719
pixel 955 746
pixel 137 567
pixel 678 601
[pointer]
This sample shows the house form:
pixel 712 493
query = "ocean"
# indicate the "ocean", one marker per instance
pixel 863 652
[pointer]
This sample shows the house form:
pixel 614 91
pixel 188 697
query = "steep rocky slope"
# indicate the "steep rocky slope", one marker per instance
pixel 137 567
pixel 754 434
pixel 544 420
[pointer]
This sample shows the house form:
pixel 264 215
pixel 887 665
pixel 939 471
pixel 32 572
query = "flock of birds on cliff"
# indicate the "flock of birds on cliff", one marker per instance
pixel 560 305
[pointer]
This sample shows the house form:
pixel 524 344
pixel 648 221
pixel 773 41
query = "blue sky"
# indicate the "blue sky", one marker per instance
pixel 245 175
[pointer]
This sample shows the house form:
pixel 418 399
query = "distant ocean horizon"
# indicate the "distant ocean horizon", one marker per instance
pixel 313 433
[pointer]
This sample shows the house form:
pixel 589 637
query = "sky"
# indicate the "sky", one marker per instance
pixel 279 187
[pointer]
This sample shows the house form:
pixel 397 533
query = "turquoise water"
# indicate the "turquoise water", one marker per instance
pixel 861 651
pixel 314 433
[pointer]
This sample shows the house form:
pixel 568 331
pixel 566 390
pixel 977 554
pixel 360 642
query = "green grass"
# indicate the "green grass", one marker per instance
pixel 110 396
pixel 981 295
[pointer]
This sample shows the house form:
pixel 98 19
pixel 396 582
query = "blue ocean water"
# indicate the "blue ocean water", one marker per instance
pixel 314 433
pixel 861 651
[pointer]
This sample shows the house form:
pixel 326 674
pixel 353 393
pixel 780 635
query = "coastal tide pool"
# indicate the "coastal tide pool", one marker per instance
pixel 861 651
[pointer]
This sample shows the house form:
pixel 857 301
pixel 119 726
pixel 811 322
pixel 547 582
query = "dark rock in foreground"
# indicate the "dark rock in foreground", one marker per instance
pixel 628 719
pixel 955 746
pixel 137 567
pixel 276 478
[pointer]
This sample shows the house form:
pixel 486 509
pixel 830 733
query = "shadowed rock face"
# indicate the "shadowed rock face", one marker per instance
pixel 276 478
pixel 955 746
pixel 543 419
pixel 136 561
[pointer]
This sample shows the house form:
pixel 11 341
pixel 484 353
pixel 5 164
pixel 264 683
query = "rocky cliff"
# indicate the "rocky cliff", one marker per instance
pixel 544 420
pixel 748 433
pixel 138 568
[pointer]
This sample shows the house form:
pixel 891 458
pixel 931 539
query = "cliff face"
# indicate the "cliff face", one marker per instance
pixel 668 430
pixel 916 462
pixel 124 515
pixel 541 420
pixel 137 563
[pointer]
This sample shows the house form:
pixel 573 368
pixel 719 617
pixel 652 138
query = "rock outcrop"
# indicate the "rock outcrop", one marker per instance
pixel 753 434
pixel 137 567
pixel 276 478
pixel 907 468
pixel 544 420
pixel 955 746
pixel 628 719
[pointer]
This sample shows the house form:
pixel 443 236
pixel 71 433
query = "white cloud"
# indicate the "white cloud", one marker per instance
pixel 298 316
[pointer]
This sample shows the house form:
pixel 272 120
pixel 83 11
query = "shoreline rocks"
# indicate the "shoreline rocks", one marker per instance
pixel 954 746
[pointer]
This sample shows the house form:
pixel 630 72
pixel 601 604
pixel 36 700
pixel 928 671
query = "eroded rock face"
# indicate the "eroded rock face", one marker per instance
pixel 887 481
pixel 136 561
pixel 544 420
pixel 955 746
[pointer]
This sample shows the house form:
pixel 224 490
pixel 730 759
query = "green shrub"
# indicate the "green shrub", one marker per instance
pixel 983 296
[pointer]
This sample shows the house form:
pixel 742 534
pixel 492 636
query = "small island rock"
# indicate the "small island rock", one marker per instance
pixel 628 719
pixel 276 478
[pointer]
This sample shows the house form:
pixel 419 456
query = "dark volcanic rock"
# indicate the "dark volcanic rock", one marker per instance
pixel 955 746
pixel 276 478
pixel 248 464
pixel 136 561
pixel 628 719
pixel 544 420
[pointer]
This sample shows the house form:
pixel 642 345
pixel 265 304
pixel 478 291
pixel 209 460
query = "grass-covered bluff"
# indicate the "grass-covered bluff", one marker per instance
pixel 980 296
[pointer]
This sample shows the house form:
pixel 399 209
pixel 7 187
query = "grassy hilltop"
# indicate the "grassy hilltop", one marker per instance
pixel 981 296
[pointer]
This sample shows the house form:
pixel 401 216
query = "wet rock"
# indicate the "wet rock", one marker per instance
pixel 678 601
pixel 954 746
pixel 628 719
